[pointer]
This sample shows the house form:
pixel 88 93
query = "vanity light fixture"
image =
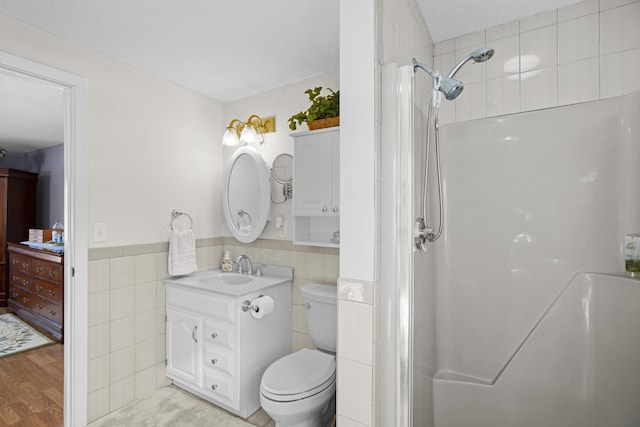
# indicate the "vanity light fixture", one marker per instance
pixel 250 131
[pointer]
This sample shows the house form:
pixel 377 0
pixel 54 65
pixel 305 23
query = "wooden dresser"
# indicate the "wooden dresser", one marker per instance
pixel 36 287
pixel 17 215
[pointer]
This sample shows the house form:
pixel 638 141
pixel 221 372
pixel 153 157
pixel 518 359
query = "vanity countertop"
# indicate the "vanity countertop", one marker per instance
pixel 219 281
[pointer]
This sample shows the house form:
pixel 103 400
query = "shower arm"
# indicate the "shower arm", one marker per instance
pixel 457 67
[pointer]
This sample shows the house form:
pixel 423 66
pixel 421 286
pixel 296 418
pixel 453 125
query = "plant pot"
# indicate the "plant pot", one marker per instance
pixel 324 123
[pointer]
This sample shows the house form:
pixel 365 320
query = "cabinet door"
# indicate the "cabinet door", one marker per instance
pixel 184 333
pixel 313 174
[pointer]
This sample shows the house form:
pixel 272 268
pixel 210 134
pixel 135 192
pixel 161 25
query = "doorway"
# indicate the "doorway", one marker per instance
pixel 76 227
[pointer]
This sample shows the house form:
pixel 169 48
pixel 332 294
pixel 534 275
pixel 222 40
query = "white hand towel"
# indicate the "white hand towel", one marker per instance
pixel 182 252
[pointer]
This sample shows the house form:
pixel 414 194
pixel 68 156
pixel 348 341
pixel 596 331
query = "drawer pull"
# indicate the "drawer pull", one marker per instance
pixel 25 282
pixel 38 306
pixel 52 312
pixel 324 209
pixel 14 262
pixel 52 293
pixel 214 361
pixel 214 335
pixel 25 300
pixel 52 273
pixel 39 269
pixel 25 265
pixel 214 387
pixel 14 278
pixel 15 294
pixel 193 334
pixel 38 288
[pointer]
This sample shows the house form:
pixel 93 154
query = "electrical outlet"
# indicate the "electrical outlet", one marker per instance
pixel 99 231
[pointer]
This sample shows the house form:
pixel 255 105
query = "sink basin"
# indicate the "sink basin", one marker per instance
pixel 228 279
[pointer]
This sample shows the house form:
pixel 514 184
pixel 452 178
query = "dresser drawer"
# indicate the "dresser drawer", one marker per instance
pixel 21 297
pixel 48 290
pixel 19 280
pixel 20 262
pixel 217 357
pixel 219 385
pixel 219 333
pixel 46 270
pixel 46 309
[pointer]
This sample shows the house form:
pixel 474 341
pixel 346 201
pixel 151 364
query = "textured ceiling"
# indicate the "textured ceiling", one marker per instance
pixel 230 49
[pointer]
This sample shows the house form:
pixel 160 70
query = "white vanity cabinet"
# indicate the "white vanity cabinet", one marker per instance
pixel 216 350
pixel 316 193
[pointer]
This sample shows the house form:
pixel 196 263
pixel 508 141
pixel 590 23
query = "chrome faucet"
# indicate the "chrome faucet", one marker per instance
pixel 249 265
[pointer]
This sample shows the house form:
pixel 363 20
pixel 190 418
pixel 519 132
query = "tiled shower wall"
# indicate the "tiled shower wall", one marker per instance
pixel 583 52
pixel 127 306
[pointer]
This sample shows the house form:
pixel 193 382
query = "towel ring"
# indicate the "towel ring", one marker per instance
pixel 241 214
pixel 176 213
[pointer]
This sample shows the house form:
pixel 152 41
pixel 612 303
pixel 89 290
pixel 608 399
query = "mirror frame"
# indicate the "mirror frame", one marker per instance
pixel 263 186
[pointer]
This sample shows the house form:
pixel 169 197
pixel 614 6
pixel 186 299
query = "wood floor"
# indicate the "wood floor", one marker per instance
pixel 31 388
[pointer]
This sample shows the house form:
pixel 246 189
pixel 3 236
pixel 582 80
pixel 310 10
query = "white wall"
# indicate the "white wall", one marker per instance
pixel 280 103
pixel 153 145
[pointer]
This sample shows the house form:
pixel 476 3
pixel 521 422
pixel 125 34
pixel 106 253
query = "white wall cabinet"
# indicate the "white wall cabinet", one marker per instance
pixel 216 350
pixel 316 187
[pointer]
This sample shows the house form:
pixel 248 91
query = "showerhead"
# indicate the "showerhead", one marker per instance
pixel 479 55
pixel 450 87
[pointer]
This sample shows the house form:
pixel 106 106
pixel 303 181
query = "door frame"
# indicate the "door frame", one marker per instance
pixel 76 204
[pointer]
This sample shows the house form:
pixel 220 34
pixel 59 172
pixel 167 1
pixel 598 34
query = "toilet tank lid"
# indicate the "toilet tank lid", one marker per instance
pixel 320 292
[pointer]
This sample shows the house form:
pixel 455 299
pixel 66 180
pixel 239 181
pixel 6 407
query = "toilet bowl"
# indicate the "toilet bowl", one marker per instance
pixel 298 390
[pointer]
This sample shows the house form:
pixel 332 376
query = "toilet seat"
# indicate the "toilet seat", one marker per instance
pixel 299 375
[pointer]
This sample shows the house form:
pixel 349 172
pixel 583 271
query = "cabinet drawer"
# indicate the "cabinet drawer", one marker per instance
pixel 46 270
pixel 20 262
pixel 17 280
pixel 218 358
pixel 46 309
pixel 218 306
pixel 21 297
pixel 219 385
pixel 48 290
pixel 219 333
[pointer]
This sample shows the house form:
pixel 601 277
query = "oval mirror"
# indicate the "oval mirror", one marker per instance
pixel 246 195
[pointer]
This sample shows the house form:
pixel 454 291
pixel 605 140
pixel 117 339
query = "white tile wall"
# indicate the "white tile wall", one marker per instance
pixel 127 307
pixel 583 52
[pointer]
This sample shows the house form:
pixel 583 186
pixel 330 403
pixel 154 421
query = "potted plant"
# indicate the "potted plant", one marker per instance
pixel 324 111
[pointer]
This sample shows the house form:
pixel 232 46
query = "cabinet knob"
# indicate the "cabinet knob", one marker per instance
pixel 193 334
pixel 214 361
pixel 15 294
pixel 52 273
pixel 39 269
pixel 14 262
pixel 38 288
pixel 214 386
pixel 25 300
pixel 38 306
pixel 25 265
pixel 324 209
pixel 335 209
pixel 214 335
pixel 25 282
pixel 52 312
pixel 52 293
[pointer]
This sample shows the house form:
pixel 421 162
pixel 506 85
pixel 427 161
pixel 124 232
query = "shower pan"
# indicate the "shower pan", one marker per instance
pixel 520 313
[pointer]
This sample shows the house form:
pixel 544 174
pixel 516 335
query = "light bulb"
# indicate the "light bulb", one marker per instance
pixel 249 135
pixel 230 138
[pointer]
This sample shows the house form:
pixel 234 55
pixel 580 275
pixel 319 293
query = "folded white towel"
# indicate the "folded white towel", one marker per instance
pixel 182 252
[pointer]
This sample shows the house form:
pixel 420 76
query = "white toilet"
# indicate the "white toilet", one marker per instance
pixel 298 390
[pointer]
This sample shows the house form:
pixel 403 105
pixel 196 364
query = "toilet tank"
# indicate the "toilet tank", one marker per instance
pixel 322 315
